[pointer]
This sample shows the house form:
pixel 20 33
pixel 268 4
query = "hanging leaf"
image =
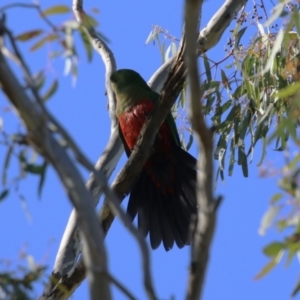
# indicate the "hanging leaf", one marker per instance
pixel 28 35
pixel 91 21
pixel 87 45
pixel 39 79
pixel 49 38
pixel 275 198
pixel 242 159
pixel 207 68
pixel 173 49
pixel 268 267
pixel 56 9
pixel 273 249
pixel 232 158
pixel 221 146
pixel 42 179
pixel 225 80
pixel 296 289
pixel 50 92
pixel 263 151
pixel 293 249
pixel 288 91
pixel 151 37
pixel 4 194
pixel 6 164
pixel 35 169
pixel 268 218
pixel 238 38
pixel 167 54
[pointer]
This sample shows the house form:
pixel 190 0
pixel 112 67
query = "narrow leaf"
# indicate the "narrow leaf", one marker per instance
pixel 56 9
pixel 4 194
pixel 225 80
pixel 275 198
pixel 296 289
pixel 34 169
pixel 28 35
pixel 232 158
pixel 273 249
pixel 242 159
pixel 290 90
pixel 42 179
pixel 268 219
pixel 150 37
pixel 293 248
pixel 6 164
pixel 207 68
pixel 238 37
pixel 269 266
pixel 87 45
pixel 52 89
pixel 40 43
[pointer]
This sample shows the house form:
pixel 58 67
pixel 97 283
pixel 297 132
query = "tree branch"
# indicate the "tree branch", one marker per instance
pixel 206 202
pixel 43 141
pixel 207 38
pixel 70 246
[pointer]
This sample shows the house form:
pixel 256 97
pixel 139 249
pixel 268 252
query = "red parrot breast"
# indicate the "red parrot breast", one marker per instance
pixel 131 123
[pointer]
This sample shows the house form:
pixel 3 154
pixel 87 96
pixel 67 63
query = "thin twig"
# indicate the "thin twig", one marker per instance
pixel 121 287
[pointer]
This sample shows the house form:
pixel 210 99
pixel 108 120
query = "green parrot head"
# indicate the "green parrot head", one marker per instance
pixel 129 88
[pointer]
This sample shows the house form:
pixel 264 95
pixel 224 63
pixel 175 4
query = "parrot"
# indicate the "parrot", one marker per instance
pixel 163 196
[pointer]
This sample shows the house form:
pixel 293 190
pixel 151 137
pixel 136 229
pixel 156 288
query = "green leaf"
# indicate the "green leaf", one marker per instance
pixel 276 46
pixel 275 198
pixel 296 289
pixel 6 163
pixel 39 79
pixel 273 249
pixel 87 45
pixel 227 124
pixel 207 68
pixel 42 179
pixel 221 147
pixel 56 9
pixel 232 158
pixel 242 159
pixel 4 194
pixel 245 125
pixel 238 38
pixel 49 38
pixel 263 151
pixel 29 35
pixel 281 225
pixel 290 90
pixel 268 218
pixel 91 21
pixel 52 89
pixel 35 169
pixel 293 248
pixel 269 266
pixel 225 80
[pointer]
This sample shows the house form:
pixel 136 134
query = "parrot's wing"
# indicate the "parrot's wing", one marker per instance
pixel 127 150
pixel 169 120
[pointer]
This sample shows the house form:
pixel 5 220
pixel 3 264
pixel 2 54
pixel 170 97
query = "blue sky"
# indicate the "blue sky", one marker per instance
pixel 236 255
